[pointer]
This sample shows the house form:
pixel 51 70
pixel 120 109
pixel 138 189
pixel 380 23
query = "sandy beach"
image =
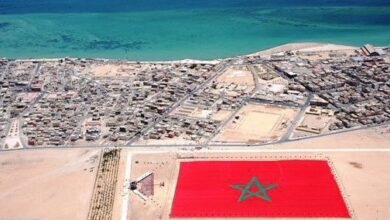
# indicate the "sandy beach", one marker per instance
pixel 304 47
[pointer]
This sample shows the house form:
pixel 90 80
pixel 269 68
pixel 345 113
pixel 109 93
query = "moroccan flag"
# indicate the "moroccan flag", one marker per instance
pixel 287 188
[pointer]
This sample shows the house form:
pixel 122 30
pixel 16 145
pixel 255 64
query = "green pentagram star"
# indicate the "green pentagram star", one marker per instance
pixel 260 193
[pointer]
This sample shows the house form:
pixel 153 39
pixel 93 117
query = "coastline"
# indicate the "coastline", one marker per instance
pixel 306 46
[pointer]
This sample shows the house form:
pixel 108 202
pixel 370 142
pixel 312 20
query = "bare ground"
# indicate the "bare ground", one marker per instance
pixel 47 184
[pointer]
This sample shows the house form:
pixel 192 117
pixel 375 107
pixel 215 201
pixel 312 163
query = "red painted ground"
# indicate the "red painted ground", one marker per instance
pixel 305 188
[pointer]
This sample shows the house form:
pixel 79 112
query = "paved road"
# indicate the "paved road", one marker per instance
pixel 259 150
pixel 255 79
pixel 297 119
pixel 181 146
pixel 126 185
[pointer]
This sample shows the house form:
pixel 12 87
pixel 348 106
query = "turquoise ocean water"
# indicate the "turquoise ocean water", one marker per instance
pixel 185 30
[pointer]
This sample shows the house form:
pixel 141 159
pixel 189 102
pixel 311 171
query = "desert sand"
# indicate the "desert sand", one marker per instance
pixel 308 46
pixel 47 184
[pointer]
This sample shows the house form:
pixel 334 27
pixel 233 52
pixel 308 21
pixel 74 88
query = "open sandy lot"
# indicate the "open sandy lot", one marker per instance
pixel 256 123
pixel 234 80
pixel 313 125
pixel 221 115
pixel 367 138
pixel 237 75
pixel 47 184
pixel 111 70
pixel 250 123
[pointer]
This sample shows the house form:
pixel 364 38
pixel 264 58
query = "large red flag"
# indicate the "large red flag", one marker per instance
pixel 288 188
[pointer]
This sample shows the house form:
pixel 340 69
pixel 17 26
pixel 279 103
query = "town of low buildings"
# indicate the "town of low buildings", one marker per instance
pixel 70 102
